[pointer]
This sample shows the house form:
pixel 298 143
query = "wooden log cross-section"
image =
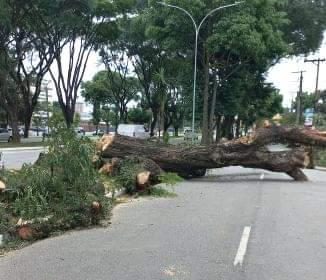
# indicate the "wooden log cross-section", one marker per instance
pixel 250 152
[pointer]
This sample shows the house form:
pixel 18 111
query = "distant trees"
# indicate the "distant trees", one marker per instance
pixel 113 88
pixel 148 53
pixel 77 27
pixel 139 115
pixel 55 37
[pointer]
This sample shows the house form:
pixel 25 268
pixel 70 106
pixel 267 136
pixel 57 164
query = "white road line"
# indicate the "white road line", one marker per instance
pixel 242 247
pixel 262 176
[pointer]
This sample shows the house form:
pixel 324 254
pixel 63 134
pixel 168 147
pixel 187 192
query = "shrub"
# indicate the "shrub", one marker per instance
pixel 62 185
pixel 127 175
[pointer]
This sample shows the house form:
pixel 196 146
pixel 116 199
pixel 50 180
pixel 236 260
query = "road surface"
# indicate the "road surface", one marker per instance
pixel 233 224
pixel 16 158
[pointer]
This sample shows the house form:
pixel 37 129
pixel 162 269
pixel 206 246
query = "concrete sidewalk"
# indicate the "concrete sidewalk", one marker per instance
pixel 320 168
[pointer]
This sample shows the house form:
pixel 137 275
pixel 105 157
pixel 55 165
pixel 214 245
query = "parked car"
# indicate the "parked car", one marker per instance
pixel 133 130
pixel 20 131
pixel 5 135
pixel 188 135
pixel 80 131
pixel 186 128
pixel 99 132
pixel 36 131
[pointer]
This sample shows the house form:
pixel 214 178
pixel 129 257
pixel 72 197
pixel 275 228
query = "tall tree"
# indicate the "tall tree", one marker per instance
pixel 8 97
pixel 72 30
pixel 27 63
pixel 123 87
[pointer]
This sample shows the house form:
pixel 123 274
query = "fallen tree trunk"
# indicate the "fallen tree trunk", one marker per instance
pixel 247 152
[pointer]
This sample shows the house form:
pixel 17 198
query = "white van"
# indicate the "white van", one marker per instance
pixel 133 130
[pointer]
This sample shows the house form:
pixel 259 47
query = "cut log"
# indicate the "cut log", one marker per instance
pixel 26 232
pixel 2 186
pixel 107 169
pixel 247 152
pixel 143 180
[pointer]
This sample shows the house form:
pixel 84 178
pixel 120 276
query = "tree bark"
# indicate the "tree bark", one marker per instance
pixel 205 121
pixel 238 128
pixel 176 131
pixel 153 122
pixel 246 151
pixel 13 117
pixel 218 129
pixel 27 123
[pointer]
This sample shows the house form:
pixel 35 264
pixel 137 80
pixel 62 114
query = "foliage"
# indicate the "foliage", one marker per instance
pixel 170 179
pixel 288 118
pixel 131 167
pixel 320 157
pixel 138 116
pixel 159 192
pixel 62 185
pixel 306 26
pixel 127 175
pixel 236 48
pixel 76 28
pixel 110 88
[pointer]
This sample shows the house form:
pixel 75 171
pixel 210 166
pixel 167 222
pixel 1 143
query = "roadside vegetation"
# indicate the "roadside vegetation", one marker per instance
pixel 61 191
pixel 64 190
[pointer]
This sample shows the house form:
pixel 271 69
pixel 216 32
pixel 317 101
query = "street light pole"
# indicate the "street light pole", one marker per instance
pixel 197 29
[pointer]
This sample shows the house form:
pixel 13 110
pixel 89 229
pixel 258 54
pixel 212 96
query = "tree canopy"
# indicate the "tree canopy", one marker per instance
pixel 148 52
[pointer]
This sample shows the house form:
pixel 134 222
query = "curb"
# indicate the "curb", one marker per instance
pixel 22 149
pixel 319 168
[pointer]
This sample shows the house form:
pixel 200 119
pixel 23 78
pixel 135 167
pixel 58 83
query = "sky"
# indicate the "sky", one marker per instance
pixel 280 75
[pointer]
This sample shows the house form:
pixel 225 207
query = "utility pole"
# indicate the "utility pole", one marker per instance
pixel 298 99
pixel 318 61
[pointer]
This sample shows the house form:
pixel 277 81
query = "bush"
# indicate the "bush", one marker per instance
pixel 62 186
pixel 126 177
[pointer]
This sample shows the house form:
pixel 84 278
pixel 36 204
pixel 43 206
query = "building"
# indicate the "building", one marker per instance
pixel 41 115
pixel 79 109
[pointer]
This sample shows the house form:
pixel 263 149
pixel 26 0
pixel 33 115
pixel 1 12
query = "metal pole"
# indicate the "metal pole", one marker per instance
pixel 47 107
pixel 194 90
pixel 317 81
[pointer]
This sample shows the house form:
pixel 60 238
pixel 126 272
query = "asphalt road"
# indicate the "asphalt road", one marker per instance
pixel 233 224
pixel 16 158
